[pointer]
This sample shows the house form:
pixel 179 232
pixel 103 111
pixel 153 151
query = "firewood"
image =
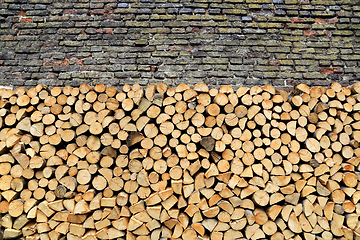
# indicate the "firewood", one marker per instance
pixel 16 208
pixel 95 162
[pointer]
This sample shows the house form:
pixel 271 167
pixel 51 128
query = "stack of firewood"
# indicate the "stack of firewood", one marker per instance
pixel 192 163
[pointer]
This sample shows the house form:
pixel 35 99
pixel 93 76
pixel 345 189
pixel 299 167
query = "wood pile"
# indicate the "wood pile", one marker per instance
pixel 191 163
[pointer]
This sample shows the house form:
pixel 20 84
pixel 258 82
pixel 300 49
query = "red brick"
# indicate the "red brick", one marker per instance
pixel 26 20
pixel 330 70
pixel 320 20
pixel 311 33
pixel 56 63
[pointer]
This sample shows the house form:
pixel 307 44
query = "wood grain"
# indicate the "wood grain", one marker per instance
pixel 180 162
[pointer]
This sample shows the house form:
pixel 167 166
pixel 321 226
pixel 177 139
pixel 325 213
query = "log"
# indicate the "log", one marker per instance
pixel 178 162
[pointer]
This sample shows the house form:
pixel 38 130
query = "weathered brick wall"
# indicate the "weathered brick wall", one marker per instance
pixel 236 42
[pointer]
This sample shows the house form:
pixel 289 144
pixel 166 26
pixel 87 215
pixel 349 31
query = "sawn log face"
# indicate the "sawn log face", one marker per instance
pixel 180 162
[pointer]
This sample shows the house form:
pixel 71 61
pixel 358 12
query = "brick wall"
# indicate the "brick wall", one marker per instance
pixel 235 42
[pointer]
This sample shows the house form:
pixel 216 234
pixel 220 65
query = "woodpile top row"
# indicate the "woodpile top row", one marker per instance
pixel 188 163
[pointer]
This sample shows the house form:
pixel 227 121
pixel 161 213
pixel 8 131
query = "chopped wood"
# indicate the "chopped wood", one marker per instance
pixel 180 162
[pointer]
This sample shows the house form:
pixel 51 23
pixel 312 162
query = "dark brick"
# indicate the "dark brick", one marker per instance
pixel 185 11
pixel 214 11
pixel 219 42
pixel 199 11
pixel 123 5
pixel 246 19
pixel 173 10
pixel 37 13
pixel 280 12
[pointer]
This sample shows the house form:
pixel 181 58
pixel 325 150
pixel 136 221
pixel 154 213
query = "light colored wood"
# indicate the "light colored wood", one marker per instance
pixel 16 208
pixel 180 162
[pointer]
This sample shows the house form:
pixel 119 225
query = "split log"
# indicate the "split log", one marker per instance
pixel 163 162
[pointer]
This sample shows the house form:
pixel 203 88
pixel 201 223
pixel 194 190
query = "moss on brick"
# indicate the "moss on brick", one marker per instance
pixel 215 41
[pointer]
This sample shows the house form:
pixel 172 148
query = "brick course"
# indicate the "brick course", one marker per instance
pixel 236 42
